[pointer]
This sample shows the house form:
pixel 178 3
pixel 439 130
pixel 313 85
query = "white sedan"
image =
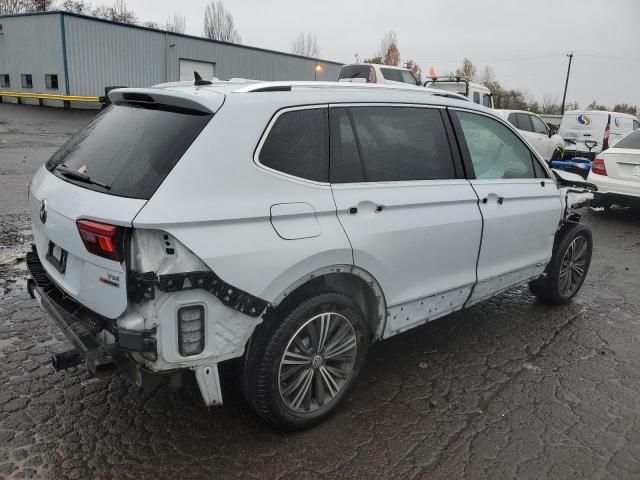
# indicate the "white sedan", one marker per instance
pixel 616 172
pixel 546 141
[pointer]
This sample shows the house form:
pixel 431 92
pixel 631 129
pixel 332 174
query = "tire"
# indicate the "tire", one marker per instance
pixel 326 373
pixel 565 273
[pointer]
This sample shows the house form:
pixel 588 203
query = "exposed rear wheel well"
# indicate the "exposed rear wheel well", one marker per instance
pixel 365 293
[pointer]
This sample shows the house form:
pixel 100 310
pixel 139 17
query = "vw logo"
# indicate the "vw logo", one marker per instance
pixel 43 211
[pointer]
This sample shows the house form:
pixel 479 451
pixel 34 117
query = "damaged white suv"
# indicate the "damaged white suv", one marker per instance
pixel 288 225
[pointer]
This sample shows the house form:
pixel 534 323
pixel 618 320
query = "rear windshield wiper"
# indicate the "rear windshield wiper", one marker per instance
pixel 82 177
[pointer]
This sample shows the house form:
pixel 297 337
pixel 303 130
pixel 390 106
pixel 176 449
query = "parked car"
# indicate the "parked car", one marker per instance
pixel 616 173
pixel 288 225
pixel 375 73
pixel 588 132
pixel 544 139
pixel 475 92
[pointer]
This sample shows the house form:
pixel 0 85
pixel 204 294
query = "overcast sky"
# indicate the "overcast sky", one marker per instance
pixel 525 41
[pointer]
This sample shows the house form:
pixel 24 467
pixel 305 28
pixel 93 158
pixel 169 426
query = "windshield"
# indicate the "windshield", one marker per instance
pixel 404 76
pixel 128 150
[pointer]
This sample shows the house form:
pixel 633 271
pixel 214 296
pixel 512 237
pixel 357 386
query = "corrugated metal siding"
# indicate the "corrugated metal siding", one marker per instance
pixel 101 54
pixel 31 44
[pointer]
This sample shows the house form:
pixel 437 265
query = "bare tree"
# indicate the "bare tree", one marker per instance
pixel 305 45
pixel 38 5
pixel 550 105
pixel 176 24
pixel 76 6
pixel 10 7
pixel 118 12
pixel 151 24
pixel 415 69
pixel 468 70
pixel 219 25
pixel 389 38
pixel 487 76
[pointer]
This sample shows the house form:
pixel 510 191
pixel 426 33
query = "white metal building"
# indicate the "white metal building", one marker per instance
pixel 70 54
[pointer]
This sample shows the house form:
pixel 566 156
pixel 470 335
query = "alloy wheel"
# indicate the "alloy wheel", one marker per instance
pixel 573 267
pixel 317 362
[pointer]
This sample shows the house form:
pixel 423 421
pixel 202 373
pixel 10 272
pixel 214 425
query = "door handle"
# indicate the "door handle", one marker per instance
pixel 352 210
pixel 379 208
pixel 500 200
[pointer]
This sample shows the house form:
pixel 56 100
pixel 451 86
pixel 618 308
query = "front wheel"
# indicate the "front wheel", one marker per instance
pixel 568 267
pixel 302 362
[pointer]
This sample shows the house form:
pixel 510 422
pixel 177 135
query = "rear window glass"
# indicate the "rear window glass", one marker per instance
pixel 131 149
pixel 296 145
pixel 355 71
pixel 630 141
pixel 395 75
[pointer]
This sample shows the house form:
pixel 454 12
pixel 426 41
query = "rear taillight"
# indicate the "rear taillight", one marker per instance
pixel 598 167
pixel 102 239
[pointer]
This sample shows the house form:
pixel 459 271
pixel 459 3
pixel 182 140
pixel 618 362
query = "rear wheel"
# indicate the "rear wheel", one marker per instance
pixel 302 362
pixel 568 267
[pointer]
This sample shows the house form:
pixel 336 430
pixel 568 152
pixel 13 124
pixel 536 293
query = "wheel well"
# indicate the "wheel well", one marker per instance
pixel 366 294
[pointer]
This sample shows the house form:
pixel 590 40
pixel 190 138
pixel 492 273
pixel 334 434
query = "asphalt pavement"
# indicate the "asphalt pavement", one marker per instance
pixel 509 388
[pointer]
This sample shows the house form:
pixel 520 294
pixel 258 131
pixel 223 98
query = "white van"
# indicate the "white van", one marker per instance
pixel 476 92
pixel 588 132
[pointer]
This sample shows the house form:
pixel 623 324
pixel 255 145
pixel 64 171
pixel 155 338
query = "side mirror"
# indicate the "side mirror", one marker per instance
pixel 552 131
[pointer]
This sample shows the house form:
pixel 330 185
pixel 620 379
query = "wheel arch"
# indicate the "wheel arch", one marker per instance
pixel 352 281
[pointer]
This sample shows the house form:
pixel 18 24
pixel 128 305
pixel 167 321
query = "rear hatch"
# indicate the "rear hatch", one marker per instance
pixel 623 161
pixel 581 130
pixel 84 200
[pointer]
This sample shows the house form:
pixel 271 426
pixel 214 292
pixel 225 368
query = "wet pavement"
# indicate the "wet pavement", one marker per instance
pixel 507 389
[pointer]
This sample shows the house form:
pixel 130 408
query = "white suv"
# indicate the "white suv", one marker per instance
pixel 545 140
pixel 289 225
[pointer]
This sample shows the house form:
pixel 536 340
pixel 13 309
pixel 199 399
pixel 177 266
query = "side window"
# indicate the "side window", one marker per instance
pixel 486 100
pixel 26 80
pixel 496 152
pixel 538 125
pixel 476 97
pixel 636 125
pixel 391 144
pixel 524 122
pixel 537 168
pixel 513 120
pixel 296 145
pixel 346 164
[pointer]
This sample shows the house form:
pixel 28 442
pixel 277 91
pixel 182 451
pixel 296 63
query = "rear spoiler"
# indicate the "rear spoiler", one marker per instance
pixel 151 97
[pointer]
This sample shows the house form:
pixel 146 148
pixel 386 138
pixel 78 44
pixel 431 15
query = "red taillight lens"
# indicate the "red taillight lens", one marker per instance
pixel 101 239
pixel 598 167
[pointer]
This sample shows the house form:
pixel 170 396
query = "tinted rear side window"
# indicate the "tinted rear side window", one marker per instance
pixel 391 144
pixel 524 122
pixel 296 145
pixel 131 149
pixel 399 76
pixel 630 141
pixel 355 71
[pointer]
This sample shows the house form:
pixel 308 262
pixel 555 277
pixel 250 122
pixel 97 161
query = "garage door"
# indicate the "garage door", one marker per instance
pixel 206 70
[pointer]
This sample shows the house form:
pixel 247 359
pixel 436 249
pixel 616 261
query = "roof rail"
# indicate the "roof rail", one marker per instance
pixel 291 85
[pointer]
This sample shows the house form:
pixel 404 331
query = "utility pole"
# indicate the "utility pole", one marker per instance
pixel 566 83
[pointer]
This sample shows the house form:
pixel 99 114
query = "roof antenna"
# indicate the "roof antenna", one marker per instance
pixel 199 81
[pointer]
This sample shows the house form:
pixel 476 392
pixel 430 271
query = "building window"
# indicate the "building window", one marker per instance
pixel 5 82
pixel 27 80
pixel 51 81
